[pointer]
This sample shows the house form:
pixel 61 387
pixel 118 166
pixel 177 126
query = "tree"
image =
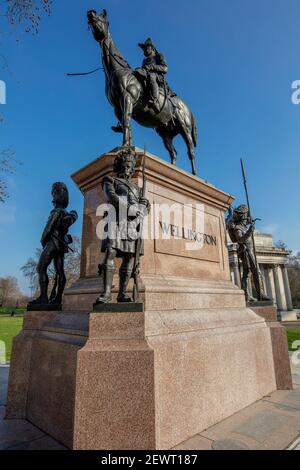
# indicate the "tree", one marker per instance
pixel 9 291
pixel 8 165
pixel 281 244
pixel 25 13
pixel 294 278
pixel 72 267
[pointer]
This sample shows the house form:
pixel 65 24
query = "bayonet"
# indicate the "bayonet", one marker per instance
pixel 252 221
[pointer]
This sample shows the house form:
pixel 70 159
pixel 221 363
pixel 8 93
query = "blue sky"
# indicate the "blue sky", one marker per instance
pixel 232 61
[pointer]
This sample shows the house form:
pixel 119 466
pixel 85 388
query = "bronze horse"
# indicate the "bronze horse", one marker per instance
pixel 128 97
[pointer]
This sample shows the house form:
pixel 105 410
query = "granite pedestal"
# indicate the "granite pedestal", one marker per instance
pixel 148 379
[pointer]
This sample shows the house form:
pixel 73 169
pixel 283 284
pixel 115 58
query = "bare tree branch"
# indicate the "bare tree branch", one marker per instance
pixel 8 165
pixel 26 12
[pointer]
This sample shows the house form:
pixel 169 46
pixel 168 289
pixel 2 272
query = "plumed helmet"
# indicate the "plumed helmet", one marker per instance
pixel 125 155
pixel 242 209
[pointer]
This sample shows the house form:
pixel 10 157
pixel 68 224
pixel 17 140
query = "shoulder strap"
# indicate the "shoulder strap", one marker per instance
pixel 129 187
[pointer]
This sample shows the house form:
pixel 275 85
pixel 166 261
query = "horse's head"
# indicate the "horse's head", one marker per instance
pixel 99 24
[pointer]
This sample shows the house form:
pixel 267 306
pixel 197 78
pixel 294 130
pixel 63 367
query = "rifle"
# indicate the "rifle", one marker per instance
pixel 138 247
pixel 63 242
pixel 252 221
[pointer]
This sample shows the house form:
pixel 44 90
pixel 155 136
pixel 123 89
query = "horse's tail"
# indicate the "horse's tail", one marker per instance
pixel 194 130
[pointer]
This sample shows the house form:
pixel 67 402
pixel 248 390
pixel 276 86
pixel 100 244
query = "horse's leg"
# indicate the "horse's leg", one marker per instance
pixel 167 138
pixel 126 121
pixel 187 136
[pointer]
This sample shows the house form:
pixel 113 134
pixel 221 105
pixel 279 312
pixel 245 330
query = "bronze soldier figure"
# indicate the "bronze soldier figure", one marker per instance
pixel 153 69
pixel 130 207
pixel 55 242
pixel 240 228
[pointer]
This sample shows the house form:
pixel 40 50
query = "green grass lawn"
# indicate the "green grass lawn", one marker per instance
pixel 9 327
pixel 8 310
pixel 293 334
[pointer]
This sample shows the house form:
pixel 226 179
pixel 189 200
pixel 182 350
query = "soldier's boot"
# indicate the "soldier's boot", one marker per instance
pixel 108 275
pixel 244 285
pixel 124 276
pixel 57 299
pixel 43 298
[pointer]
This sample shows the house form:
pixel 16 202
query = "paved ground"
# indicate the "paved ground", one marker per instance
pixel 19 434
pixel 270 423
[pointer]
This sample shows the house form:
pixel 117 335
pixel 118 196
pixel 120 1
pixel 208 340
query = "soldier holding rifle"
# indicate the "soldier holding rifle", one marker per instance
pixel 124 241
pixel 241 226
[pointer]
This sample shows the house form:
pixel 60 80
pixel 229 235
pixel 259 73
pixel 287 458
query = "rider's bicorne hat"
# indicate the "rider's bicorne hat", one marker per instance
pixel 148 42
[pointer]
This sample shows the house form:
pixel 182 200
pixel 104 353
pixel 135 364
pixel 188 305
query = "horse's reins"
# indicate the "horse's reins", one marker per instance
pixel 114 56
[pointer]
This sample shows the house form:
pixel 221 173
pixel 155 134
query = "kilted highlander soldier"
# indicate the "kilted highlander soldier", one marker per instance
pixel 55 242
pixel 240 229
pixel 130 208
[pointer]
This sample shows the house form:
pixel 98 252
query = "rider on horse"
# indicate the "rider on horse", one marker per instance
pixel 151 75
pixel 153 69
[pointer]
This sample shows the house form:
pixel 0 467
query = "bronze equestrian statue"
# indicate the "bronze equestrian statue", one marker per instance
pixel 143 94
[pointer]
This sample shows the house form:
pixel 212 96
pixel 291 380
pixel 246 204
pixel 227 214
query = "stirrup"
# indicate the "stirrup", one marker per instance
pixel 117 128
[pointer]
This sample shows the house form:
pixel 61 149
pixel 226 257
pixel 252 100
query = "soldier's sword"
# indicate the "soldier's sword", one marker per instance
pixel 249 212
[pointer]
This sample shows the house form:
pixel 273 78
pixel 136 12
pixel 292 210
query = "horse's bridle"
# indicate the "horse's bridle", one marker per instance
pixel 114 56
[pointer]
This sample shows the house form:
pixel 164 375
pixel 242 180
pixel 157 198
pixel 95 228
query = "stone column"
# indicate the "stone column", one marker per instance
pixel 235 270
pixel 278 298
pixel 263 277
pixel 249 285
pixel 270 288
pixel 282 290
pixel 289 302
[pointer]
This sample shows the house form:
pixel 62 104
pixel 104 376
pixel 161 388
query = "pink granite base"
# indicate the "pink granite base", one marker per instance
pixel 149 380
pixel 281 359
pixel 138 380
